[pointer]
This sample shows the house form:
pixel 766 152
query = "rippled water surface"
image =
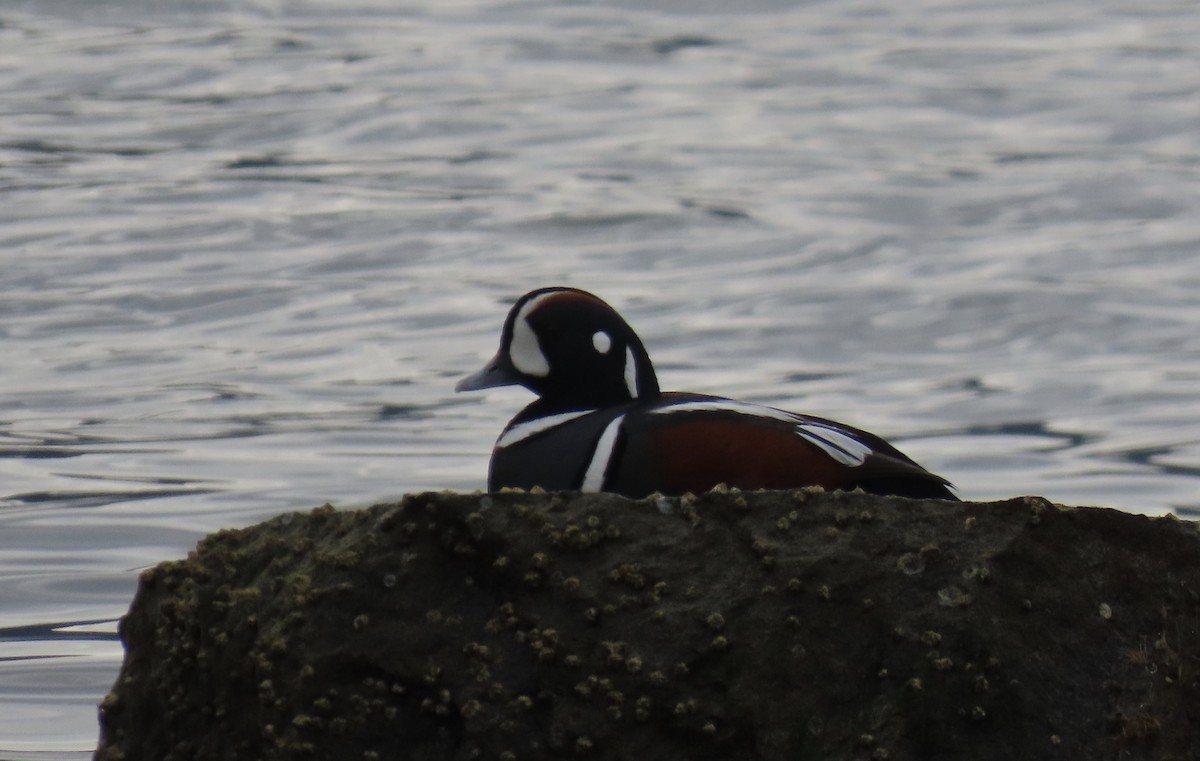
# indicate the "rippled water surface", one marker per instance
pixel 246 248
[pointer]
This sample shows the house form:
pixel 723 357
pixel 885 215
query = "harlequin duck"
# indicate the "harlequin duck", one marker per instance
pixel 600 422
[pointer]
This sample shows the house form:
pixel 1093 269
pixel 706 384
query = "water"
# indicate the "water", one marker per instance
pixel 246 248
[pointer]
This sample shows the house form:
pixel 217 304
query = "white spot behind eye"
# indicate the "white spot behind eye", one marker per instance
pixel 601 341
pixel 524 349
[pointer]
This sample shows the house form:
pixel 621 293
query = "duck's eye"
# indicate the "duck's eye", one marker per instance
pixel 602 341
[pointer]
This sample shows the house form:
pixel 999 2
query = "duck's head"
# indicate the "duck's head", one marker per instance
pixel 570 348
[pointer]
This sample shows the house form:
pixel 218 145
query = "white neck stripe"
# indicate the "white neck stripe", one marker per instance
pixel 522 431
pixel 631 378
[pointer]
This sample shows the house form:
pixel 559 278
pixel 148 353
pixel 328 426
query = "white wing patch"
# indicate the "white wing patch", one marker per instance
pixel 838 444
pixel 593 479
pixel 522 431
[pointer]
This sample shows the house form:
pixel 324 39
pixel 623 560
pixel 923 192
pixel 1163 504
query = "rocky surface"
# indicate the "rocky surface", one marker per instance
pixel 773 626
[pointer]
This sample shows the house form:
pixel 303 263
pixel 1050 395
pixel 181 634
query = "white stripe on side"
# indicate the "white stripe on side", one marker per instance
pixel 838 444
pixel 593 480
pixel 631 372
pixel 522 431
pixel 728 405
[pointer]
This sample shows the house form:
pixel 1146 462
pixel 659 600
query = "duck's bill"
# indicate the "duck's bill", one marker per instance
pixel 497 372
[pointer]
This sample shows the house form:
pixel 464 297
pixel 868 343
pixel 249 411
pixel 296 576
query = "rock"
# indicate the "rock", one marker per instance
pixel 769 626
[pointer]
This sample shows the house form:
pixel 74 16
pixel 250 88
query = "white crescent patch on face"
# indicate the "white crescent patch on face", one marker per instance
pixel 523 348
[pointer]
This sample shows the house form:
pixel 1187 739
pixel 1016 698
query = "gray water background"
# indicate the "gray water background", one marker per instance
pixel 247 247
